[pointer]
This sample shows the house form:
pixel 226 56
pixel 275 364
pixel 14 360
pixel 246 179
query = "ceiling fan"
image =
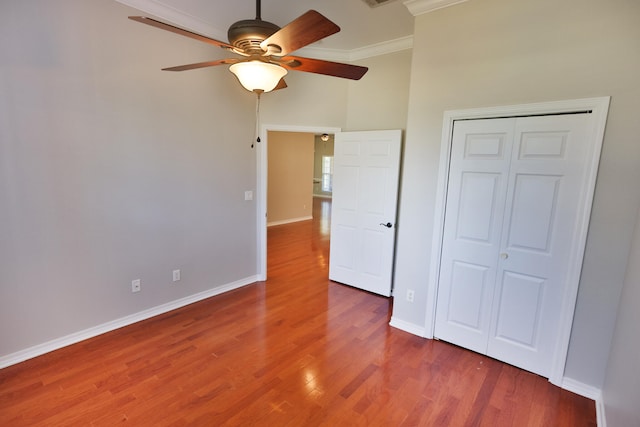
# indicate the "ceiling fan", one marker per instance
pixel 264 50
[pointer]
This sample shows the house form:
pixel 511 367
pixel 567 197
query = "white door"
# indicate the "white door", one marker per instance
pixel 478 178
pixel 514 195
pixel 363 212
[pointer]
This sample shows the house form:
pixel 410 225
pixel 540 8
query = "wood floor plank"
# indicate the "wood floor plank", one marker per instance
pixel 296 350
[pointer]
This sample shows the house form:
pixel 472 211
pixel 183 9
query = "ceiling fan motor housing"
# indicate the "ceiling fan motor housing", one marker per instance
pixel 246 35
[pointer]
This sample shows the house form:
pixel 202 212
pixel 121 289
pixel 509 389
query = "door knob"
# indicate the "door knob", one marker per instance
pixel 504 255
pixel 388 225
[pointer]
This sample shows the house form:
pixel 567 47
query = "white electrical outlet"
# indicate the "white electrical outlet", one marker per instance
pixel 410 295
pixel 176 275
pixel 135 285
pixel 248 195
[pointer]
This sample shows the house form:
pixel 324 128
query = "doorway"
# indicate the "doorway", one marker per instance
pixel 368 186
pixel 262 181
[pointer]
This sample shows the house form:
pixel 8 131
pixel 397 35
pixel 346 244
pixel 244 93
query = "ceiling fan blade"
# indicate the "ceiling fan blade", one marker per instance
pixel 319 66
pixel 201 65
pixel 167 27
pixel 281 85
pixel 308 28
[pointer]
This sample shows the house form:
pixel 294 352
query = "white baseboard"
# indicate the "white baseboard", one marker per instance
pixel 412 328
pixel 589 392
pixel 58 343
pixel 601 419
pixel 582 389
pixel 289 221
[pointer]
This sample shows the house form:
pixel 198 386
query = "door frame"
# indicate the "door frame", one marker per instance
pixel 262 168
pixel 599 108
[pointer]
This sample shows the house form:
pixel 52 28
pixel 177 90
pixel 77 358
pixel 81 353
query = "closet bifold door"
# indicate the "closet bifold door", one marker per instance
pixel 513 196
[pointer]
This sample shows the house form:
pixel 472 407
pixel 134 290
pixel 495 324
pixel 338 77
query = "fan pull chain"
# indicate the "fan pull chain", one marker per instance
pixel 257 133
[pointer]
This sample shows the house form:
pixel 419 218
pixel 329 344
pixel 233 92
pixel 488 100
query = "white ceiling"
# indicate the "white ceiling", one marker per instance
pixel 361 26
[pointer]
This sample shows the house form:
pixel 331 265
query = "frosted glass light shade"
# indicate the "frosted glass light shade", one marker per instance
pixel 258 75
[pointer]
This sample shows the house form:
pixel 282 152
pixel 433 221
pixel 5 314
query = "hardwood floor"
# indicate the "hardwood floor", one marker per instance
pixel 296 350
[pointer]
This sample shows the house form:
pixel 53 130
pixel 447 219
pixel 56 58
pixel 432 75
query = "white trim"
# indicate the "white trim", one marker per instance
pixel 581 388
pixel 599 108
pixel 383 48
pixel 419 7
pixel 195 24
pixel 369 51
pixel 289 221
pixel 601 417
pixel 58 343
pixel 261 184
pixel 339 55
pixel 403 325
pixel 589 392
pixel 323 196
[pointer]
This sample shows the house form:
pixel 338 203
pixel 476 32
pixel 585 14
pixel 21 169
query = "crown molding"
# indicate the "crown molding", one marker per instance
pixel 419 7
pixel 389 46
pixel 195 24
pixel 339 55
pixel 377 49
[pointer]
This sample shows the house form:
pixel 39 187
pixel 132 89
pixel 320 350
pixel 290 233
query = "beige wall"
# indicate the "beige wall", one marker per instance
pixel 321 148
pixel 502 52
pixel 311 100
pixel 380 99
pixel 290 177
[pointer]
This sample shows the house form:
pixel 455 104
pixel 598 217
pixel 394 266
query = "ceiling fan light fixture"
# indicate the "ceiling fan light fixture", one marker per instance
pixel 258 75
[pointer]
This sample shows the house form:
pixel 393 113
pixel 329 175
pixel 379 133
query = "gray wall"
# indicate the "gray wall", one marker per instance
pixel 380 99
pixel 111 170
pixel 310 100
pixel 621 392
pixel 501 52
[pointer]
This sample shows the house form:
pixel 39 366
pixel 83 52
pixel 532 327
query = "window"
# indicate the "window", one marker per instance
pixel 327 173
